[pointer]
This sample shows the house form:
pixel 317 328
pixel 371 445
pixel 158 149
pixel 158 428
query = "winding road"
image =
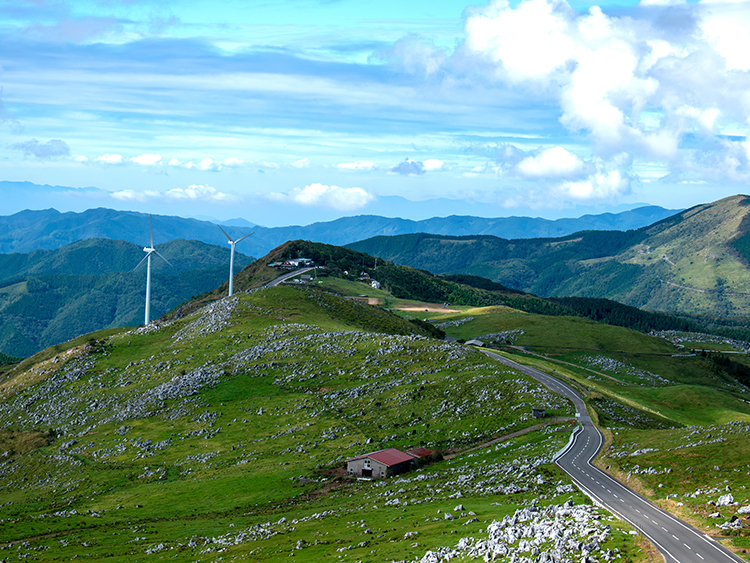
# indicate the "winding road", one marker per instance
pixel 676 540
pixel 284 277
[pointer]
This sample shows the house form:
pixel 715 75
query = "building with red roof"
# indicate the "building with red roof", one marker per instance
pixel 382 463
pixel 420 452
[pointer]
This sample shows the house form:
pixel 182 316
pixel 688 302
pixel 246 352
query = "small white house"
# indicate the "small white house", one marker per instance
pixel 375 284
pixel 300 262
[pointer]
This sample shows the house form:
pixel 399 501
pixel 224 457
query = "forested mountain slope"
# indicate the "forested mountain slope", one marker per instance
pixel 697 261
pixel 49 296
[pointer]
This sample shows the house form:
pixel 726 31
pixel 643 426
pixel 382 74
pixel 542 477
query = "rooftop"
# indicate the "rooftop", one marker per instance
pixel 389 457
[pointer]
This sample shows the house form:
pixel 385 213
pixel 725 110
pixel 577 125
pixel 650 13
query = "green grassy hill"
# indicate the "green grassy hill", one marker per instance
pixel 697 261
pixel 403 282
pixel 223 433
pixel 676 422
pixel 49 296
pixel 649 373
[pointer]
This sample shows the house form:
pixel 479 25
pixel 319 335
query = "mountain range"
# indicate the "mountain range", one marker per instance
pixel 48 229
pixel 696 261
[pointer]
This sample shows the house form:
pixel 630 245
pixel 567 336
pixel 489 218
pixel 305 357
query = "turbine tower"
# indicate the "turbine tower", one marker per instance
pixel 149 250
pixel 232 243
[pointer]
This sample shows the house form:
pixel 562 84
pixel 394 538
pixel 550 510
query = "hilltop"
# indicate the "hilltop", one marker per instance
pixel 697 261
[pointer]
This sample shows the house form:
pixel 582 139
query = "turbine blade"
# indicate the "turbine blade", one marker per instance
pixel 239 239
pixel 223 231
pixel 142 261
pixel 162 257
pixel 151 221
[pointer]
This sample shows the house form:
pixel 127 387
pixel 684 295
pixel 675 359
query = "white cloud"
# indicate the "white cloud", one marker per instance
pixel 414 55
pixel 531 41
pixel 199 192
pixel 432 164
pixel 343 199
pixel 109 158
pixel 608 182
pixel 605 185
pixel 409 167
pixel 551 163
pixel 129 195
pixel 688 70
pixel 358 165
pixel 194 192
pixel 727 162
pixel 81 158
pixel 208 164
pixel 726 27
pixel 301 163
pixel 147 159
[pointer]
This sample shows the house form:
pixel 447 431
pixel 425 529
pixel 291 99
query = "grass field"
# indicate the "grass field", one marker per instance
pixel 688 470
pixel 224 433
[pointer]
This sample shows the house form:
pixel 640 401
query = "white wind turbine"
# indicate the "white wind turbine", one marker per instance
pixel 232 243
pixel 149 250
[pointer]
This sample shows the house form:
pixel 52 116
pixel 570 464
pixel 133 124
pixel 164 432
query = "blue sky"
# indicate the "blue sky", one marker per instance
pixel 301 111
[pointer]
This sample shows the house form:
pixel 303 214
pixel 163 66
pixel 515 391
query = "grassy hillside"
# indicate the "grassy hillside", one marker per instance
pixel 223 433
pixel 403 282
pixel 650 373
pixel 676 422
pixel 51 296
pixel 693 262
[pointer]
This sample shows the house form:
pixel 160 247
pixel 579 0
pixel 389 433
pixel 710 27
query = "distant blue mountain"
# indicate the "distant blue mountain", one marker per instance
pixel 49 229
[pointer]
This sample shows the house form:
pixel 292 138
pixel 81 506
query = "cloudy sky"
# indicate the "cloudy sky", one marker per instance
pixel 305 110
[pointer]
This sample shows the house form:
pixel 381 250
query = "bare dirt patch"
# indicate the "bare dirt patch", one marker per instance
pixel 368 300
pixel 428 308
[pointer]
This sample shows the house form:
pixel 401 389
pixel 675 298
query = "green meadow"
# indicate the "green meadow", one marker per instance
pixel 677 422
pixel 223 434
pixel 222 431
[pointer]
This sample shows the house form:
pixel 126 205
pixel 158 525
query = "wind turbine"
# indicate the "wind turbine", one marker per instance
pixel 149 250
pixel 232 243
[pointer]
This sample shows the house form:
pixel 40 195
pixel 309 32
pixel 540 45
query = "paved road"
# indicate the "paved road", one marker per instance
pixel 675 540
pixel 286 276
